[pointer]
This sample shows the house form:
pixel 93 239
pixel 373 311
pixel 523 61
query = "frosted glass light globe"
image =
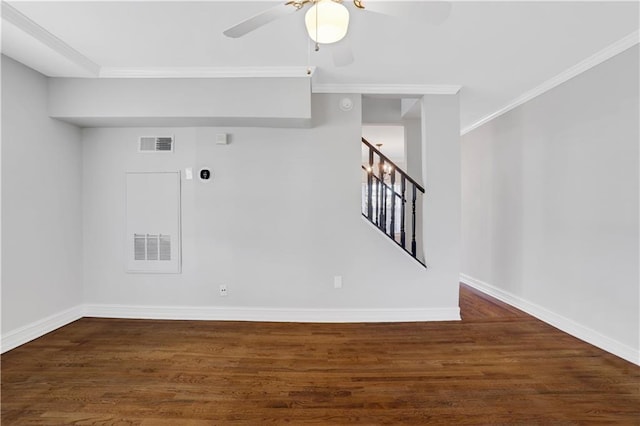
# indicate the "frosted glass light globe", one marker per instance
pixel 332 20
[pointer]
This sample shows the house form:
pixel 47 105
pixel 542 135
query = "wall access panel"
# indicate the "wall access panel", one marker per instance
pixel 153 222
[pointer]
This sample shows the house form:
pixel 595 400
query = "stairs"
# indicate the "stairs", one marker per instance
pixel 391 200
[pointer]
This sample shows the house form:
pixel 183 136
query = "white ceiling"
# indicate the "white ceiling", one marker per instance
pixel 496 51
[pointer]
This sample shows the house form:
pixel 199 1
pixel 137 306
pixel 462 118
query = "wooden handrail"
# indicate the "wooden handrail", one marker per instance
pixel 398 169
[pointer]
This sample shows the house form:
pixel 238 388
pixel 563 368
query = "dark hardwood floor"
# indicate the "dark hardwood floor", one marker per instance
pixel 497 366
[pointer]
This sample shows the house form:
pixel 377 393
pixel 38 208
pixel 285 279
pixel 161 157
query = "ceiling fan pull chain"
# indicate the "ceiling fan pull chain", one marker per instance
pixel 316 40
pixel 308 58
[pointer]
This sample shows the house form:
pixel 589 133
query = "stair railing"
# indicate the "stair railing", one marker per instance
pixel 385 201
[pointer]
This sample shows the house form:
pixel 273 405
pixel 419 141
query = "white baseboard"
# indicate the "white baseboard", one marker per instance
pixel 562 323
pixel 272 314
pixel 39 328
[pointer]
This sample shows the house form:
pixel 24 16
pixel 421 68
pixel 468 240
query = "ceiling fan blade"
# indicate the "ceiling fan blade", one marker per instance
pixel 342 53
pixel 427 12
pixel 259 20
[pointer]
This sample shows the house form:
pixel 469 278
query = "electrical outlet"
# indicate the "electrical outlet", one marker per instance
pixel 223 290
pixel 337 281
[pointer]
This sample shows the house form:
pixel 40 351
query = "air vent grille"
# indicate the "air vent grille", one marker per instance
pixel 164 144
pixel 139 247
pixel 165 247
pixel 155 144
pixel 151 247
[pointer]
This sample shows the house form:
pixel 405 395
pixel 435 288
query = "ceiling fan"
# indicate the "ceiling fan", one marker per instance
pixel 327 21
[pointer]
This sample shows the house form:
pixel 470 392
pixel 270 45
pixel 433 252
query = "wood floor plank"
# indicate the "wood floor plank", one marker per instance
pixel 497 366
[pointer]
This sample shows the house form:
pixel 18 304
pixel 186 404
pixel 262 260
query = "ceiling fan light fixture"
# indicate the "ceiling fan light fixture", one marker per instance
pixel 327 21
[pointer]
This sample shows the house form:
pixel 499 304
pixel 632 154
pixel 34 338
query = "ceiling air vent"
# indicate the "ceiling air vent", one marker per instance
pixel 155 144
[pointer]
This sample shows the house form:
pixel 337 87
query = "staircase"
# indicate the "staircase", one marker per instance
pixel 385 193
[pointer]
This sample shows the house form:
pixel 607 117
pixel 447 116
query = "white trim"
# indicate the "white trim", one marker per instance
pixel 39 328
pixel 216 313
pixel 387 89
pixel 582 66
pixel 206 72
pixel 15 17
pixel 565 324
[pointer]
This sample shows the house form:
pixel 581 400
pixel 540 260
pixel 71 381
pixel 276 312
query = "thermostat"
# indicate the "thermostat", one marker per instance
pixel 222 139
pixel 205 174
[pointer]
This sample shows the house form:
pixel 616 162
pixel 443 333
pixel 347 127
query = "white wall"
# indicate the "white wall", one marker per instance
pixel 550 205
pixel 280 219
pixel 181 101
pixel 441 176
pixel 41 208
pixel 413 149
pixel 381 110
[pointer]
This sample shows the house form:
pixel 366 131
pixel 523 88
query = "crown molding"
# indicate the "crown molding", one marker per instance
pixel 206 72
pixel 22 22
pixel 577 69
pixel 387 89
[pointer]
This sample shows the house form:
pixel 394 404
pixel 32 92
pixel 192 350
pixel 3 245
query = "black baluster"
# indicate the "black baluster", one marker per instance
pixel 374 219
pixel 393 204
pixel 381 218
pixel 370 185
pixel 413 222
pixel 403 186
pixel 384 197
